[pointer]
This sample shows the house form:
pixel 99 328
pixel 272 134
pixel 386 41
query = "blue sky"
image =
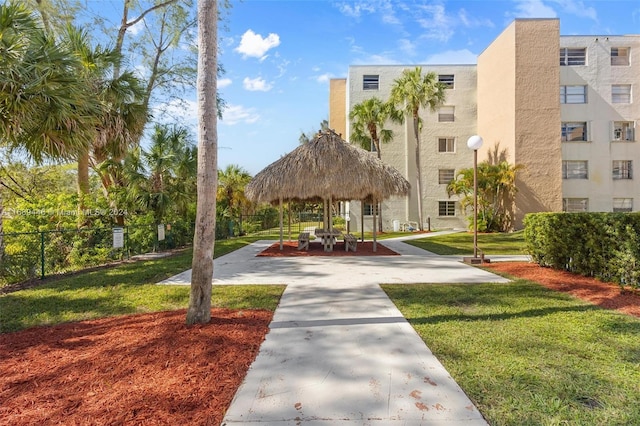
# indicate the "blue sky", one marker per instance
pixel 280 55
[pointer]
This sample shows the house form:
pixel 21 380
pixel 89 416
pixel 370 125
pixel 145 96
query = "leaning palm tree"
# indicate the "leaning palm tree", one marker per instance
pixel 410 92
pixel 122 117
pixel 367 122
pixel 44 107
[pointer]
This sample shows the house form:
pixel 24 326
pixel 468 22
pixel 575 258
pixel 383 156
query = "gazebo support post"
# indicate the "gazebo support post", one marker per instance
pixel 281 226
pixel 330 217
pixel 325 222
pixel 362 219
pixel 375 223
pixel 289 217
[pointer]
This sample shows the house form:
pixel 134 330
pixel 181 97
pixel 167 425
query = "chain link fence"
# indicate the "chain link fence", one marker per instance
pixel 41 253
pixel 267 224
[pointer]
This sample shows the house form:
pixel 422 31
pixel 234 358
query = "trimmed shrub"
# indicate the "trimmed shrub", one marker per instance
pixel 601 245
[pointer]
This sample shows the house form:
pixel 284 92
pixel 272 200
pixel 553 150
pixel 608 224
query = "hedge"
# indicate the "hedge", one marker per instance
pixel 601 245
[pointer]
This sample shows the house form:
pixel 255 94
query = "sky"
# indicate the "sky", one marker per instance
pixel 279 55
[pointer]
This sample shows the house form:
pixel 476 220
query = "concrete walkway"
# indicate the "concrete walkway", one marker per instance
pixel 339 352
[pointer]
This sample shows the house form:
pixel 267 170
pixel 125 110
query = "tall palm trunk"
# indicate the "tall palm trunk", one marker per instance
pixel 199 310
pixel 1 229
pixel 416 132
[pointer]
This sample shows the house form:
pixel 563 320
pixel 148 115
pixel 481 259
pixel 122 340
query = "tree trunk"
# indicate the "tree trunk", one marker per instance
pixel 199 310
pixel 1 229
pixel 416 132
pixel 83 186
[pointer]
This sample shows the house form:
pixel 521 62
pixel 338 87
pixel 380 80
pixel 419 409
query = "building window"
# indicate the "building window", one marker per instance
pixel 446 145
pixel 575 170
pixel 447 80
pixel 622 169
pixel 446 208
pixel 445 176
pixel 575 205
pixel 573 94
pixel 573 56
pixel 623 131
pixel 370 82
pixel 621 93
pixel 369 209
pixel 622 205
pixel 446 114
pixel 574 131
pixel 619 56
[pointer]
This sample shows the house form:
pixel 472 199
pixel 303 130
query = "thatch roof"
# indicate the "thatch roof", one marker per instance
pixel 327 167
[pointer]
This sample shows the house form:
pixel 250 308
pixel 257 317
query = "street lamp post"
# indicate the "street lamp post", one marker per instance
pixel 475 143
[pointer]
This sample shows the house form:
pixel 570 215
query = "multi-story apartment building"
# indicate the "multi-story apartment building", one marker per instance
pixel 561 106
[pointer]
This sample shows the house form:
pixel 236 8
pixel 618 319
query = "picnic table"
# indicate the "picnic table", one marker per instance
pixel 327 237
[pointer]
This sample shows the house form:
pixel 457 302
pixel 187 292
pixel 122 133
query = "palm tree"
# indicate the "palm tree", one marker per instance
pixel 496 191
pixel 410 92
pixel 121 120
pixel 367 120
pixel 44 107
pixel 199 310
pixel 231 184
pixel 157 178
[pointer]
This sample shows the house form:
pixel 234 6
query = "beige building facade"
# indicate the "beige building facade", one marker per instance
pixel 561 107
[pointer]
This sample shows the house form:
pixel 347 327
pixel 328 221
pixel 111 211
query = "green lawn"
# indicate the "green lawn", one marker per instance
pixel 527 355
pixel 125 289
pixel 461 243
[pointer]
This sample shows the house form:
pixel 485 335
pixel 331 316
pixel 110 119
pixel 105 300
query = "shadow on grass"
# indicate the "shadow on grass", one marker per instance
pixel 531 313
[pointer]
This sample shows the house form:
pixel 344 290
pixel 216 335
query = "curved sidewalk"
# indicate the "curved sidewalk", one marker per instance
pixel 339 352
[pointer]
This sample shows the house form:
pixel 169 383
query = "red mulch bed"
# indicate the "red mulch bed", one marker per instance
pixel 606 295
pixel 152 369
pixel 290 248
pixel 142 369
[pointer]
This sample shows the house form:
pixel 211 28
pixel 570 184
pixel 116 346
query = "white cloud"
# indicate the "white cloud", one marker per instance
pixel 255 46
pixel 324 78
pixel 463 56
pixel 389 15
pixel 532 9
pixel 137 28
pixel 407 47
pixel 257 84
pixel 577 8
pixel 471 22
pixel 385 9
pixel 224 82
pixel 355 9
pixel 435 21
pixel 234 114
pixel 185 112
pixel 282 68
pixel 182 111
pixel 376 59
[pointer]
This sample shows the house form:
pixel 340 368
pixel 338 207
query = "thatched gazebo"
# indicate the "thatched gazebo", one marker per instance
pixel 330 169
